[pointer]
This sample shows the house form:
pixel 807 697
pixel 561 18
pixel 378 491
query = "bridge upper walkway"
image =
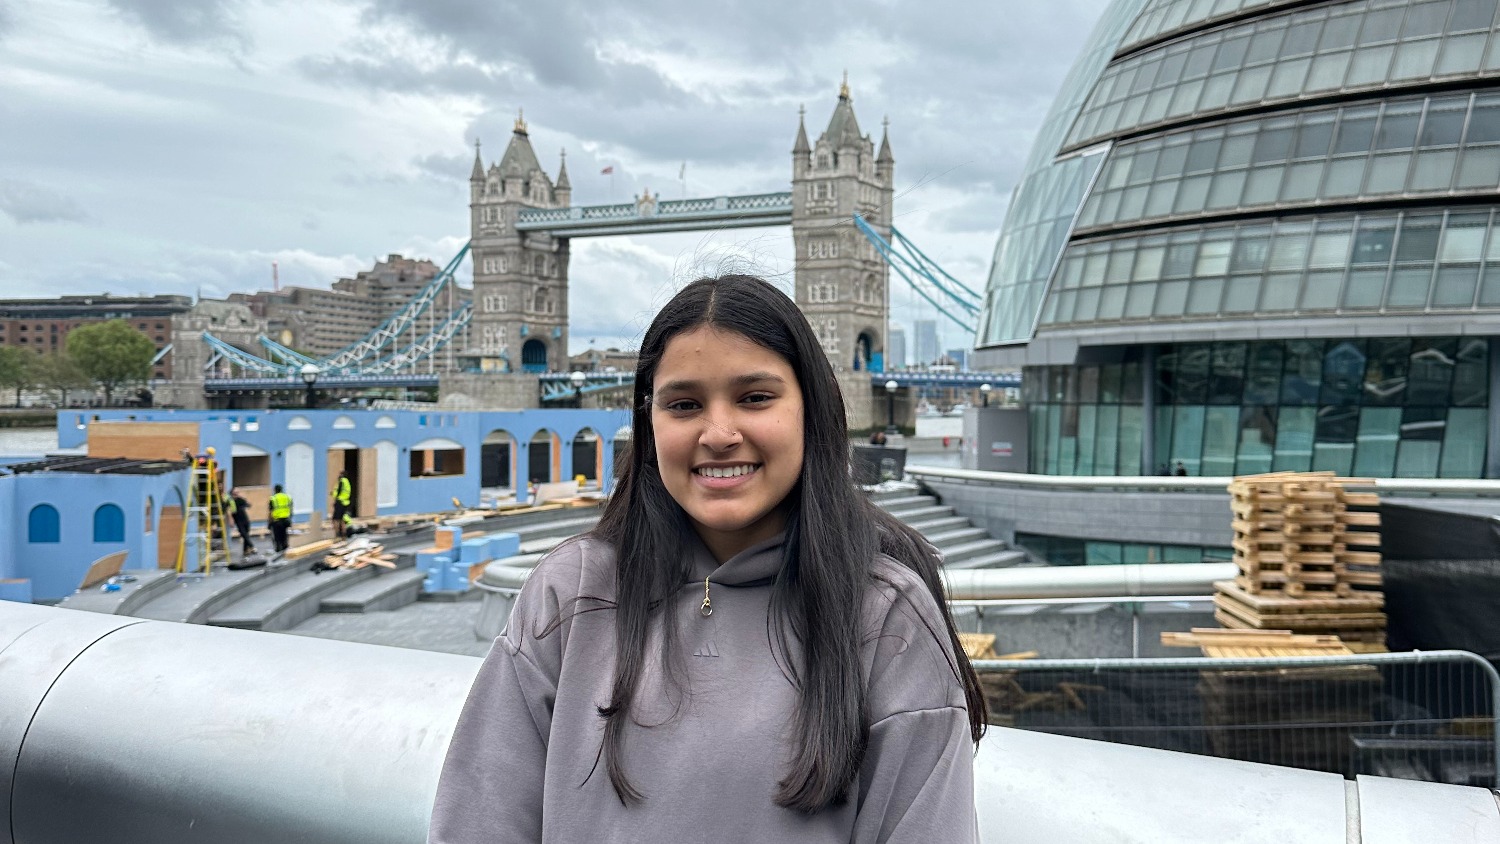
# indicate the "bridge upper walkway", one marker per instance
pixel 652 215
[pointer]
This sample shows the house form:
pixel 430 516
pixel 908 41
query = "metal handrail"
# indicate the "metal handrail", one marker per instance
pixel 1394 486
pixel 1176 663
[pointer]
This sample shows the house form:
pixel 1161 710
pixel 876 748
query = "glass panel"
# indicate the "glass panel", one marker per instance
pixel 1129 457
pixel 1430 371
pixel 1455 287
pixel 1263 373
pixel 1345 175
pixel 1304 372
pixel 1479 168
pixel 1220 436
pixel 1471 376
pixel 1139 299
pixel 1364 288
pixel 1379 431
pixel 1106 439
pixel 1343 373
pixel 1242 295
pixel 1204 295
pixel 1171 298
pixel 1464 444
pixel 1226 378
pixel 1422 430
pixel 1320 291
pixel 1280 292
pixel 1213 258
pixel 1257 436
pixel 1433 170
pixel 1187 437
pixel 1385 371
pixel 1294 439
pixel 1387 173
pixel 1409 289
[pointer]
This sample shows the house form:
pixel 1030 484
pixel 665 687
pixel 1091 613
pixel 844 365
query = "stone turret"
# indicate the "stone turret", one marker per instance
pixel 563 193
pixel 520 279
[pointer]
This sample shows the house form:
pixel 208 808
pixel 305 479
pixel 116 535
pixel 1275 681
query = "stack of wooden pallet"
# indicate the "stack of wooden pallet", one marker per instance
pixel 1308 558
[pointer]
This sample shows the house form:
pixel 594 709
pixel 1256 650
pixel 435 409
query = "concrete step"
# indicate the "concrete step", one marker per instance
pixel 960 536
pixel 939 525
pixel 999 559
pixel 896 506
pixel 928 513
pixel 884 496
pixel 969 550
pixel 561 527
pixel 387 590
pixel 148 585
pixel 289 602
pixel 197 596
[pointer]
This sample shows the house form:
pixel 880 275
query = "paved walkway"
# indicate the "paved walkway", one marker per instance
pixel 447 627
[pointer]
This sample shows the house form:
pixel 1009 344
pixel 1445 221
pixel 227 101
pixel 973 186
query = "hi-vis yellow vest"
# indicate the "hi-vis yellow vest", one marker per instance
pixel 281 506
pixel 344 491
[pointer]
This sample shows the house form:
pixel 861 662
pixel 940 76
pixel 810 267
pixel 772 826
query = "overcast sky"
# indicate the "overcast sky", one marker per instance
pixel 179 146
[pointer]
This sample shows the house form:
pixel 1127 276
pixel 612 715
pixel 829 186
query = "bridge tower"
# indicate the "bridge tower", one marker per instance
pixel 520 319
pixel 841 281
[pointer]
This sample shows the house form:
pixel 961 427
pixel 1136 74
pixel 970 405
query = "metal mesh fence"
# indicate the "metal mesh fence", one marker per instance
pixel 1423 716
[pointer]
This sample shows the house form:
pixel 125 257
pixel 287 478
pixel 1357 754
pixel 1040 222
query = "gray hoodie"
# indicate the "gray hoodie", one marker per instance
pixel 522 763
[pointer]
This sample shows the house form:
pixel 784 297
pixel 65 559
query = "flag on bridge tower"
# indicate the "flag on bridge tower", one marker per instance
pixel 608 171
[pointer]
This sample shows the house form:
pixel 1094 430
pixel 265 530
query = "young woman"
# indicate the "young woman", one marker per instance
pixel 744 649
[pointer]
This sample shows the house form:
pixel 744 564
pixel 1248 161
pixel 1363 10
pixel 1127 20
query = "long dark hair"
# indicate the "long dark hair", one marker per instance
pixel 833 533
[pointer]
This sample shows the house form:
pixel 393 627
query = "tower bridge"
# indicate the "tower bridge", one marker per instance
pixel 522 222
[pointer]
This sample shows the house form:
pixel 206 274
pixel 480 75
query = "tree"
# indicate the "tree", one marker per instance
pixel 17 369
pixel 111 354
pixel 58 373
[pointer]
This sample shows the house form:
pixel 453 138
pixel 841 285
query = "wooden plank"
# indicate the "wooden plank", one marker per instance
pixel 1274 604
pixel 142 440
pixel 103 569
pixel 1313 622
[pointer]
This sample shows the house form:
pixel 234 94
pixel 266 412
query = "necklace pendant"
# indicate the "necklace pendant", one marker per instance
pixel 707 609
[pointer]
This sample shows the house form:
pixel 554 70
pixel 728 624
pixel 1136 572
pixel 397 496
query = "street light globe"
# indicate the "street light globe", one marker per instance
pixel 310 373
pixel 890 386
pixel 985 388
pixel 578 378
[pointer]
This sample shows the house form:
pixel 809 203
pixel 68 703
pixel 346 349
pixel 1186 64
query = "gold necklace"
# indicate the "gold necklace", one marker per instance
pixel 707 609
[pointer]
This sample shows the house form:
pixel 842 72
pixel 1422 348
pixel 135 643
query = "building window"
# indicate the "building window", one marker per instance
pixel 823 292
pixel 492 339
pixel 822 248
pixel 822 191
pixel 42 524
pixel 494 303
pixel 109 524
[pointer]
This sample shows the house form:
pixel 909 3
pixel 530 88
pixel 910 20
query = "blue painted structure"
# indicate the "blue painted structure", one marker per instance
pixel 56 524
pixel 302 438
pixel 47 563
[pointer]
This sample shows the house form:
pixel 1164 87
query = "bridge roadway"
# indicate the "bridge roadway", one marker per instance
pixel 558 384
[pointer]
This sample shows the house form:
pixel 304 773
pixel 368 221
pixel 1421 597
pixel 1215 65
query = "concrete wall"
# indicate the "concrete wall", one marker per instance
pixel 1167 518
pixel 489 391
pixel 1085 631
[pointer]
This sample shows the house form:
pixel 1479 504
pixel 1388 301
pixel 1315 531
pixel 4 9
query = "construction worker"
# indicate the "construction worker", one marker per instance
pixel 343 491
pixel 281 518
pixel 239 510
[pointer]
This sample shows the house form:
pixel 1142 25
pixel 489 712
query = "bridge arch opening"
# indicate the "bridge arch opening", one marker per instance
pixel 533 356
pixel 866 347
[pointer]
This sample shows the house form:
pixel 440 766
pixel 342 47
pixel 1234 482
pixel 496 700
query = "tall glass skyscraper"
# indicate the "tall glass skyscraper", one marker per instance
pixel 1260 235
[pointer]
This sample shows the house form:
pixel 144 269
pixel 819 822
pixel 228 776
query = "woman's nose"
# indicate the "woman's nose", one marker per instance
pixel 719 432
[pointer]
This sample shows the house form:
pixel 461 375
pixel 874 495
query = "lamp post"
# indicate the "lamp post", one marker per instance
pixel 890 407
pixel 578 378
pixel 984 394
pixel 310 375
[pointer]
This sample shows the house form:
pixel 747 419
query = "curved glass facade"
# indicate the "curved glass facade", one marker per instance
pixel 1168 17
pixel 1435 146
pixel 1386 261
pixel 1325 50
pixel 1047 199
pixel 1266 239
pixel 1407 407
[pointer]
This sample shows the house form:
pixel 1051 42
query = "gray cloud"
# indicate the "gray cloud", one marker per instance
pixel 27 202
pixel 180 22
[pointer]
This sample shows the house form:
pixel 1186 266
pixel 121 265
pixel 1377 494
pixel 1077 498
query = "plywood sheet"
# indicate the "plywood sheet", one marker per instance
pixel 142 440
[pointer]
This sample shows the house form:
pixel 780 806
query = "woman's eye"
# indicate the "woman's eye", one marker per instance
pixel 757 398
pixel 682 406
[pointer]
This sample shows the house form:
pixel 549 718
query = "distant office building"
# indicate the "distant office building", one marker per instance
pixel 960 358
pixel 896 357
pixel 925 336
pixel 1258 237
pixel 42 325
pixel 321 323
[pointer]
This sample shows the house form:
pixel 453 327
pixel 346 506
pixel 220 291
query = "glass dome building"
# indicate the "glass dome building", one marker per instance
pixel 1261 235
